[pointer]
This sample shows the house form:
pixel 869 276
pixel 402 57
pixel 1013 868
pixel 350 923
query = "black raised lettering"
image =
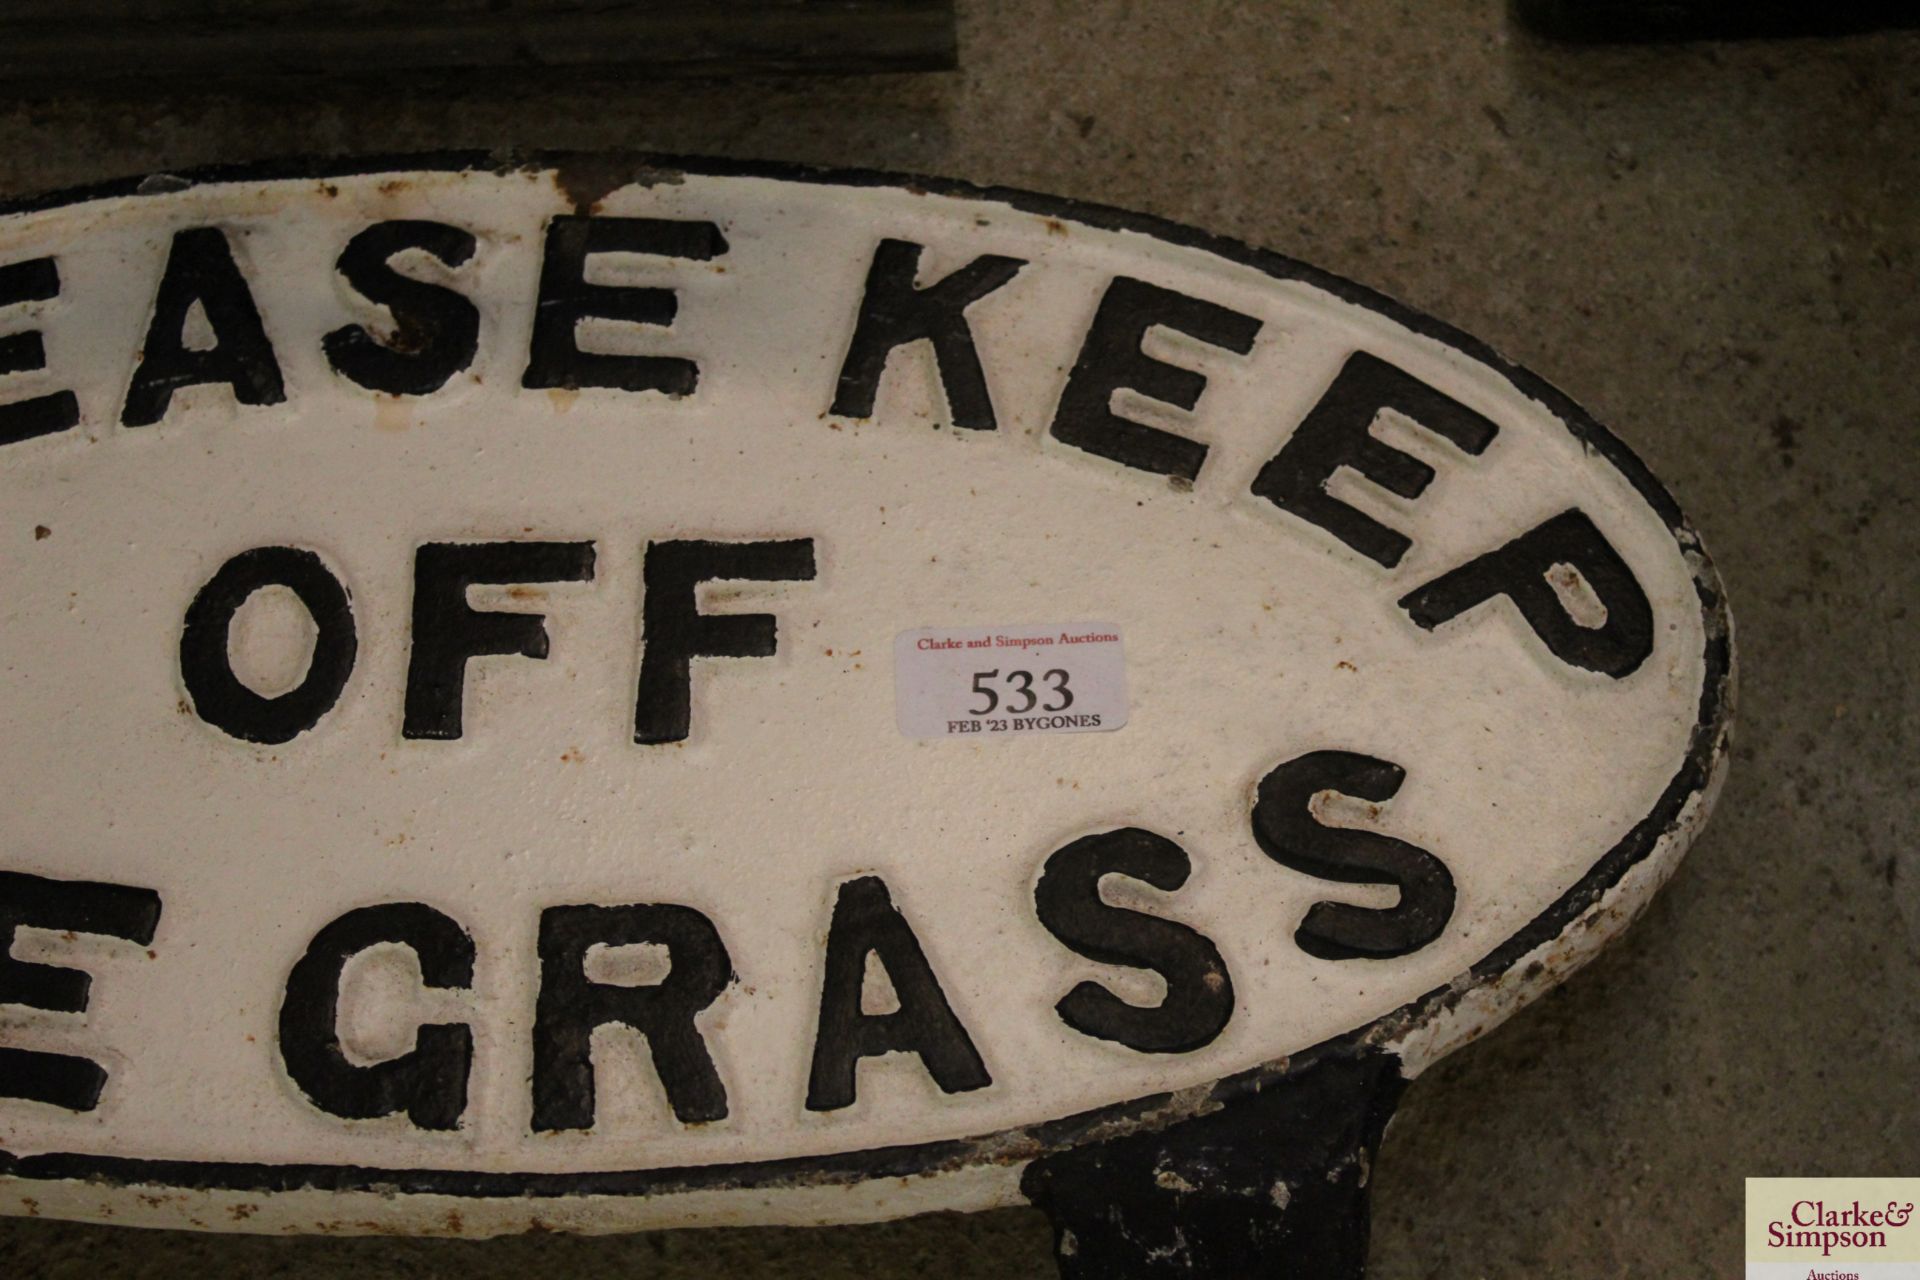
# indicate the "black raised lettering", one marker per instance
pixel 64 906
pixel 219 696
pixel 894 312
pixel 1522 571
pixel 1111 360
pixel 570 1006
pixel 201 271
pixel 1199 998
pixel 37 280
pixel 429 1081
pixel 1284 826
pixel 865 922
pixel 436 330
pixel 675 631
pixel 447 630
pixel 555 358
pixel 1338 432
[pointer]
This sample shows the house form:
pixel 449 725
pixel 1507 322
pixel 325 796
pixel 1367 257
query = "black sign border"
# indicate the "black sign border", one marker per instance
pixel 604 173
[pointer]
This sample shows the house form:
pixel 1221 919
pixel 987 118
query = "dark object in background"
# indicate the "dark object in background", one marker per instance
pixel 71 40
pixel 1624 20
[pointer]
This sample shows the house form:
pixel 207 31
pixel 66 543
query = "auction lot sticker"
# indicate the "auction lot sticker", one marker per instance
pixel 1833 1229
pixel 954 681
pixel 454 778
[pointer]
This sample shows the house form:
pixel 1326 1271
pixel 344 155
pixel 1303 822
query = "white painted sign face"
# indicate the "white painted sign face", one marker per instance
pixel 484 743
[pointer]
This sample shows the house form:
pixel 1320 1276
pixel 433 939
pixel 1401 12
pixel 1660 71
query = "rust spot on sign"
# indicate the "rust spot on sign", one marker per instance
pixel 586 181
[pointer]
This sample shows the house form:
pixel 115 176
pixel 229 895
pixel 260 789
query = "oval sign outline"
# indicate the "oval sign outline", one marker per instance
pixel 1587 914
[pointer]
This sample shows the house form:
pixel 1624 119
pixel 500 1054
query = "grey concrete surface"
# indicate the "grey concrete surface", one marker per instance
pixel 1714 247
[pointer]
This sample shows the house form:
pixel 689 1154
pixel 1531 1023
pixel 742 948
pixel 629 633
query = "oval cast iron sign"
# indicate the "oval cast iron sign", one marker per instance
pixel 599 694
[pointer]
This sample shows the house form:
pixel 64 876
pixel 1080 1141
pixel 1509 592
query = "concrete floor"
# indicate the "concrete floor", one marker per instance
pixel 1715 248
